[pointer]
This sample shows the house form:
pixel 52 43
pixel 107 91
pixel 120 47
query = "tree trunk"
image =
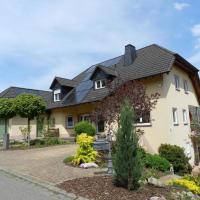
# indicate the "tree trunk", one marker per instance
pixel 29 131
pixel 6 137
pixel 6 128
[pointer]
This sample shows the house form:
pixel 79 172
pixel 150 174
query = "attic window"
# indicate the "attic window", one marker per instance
pixel 99 84
pixel 57 95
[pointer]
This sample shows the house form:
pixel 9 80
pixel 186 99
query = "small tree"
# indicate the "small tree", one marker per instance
pixel 118 90
pixel 126 160
pixel 29 106
pixel 7 110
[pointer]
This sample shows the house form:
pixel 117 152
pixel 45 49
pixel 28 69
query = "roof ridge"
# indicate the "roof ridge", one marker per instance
pixel 165 49
pixel 100 63
pixel 64 78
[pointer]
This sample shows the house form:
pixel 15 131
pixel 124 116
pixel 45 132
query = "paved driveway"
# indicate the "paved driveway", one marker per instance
pixel 44 163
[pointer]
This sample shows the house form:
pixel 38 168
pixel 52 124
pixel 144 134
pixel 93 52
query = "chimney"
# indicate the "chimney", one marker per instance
pixel 130 54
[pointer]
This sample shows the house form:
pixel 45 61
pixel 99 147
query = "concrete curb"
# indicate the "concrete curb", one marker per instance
pixel 46 185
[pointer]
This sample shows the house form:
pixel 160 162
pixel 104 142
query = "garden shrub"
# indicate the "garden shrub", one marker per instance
pixel 85 127
pixel 47 141
pixel 196 179
pixel 85 152
pixel 157 162
pixel 190 185
pixel 142 153
pixel 176 156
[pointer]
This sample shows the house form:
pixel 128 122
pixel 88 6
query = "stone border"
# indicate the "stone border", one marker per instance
pixel 47 185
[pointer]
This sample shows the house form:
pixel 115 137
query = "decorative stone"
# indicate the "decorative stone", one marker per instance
pixel 156 182
pixel 88 165
pixel 157 198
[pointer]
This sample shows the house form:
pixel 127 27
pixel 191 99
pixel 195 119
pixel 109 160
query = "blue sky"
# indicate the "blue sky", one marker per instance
pixel 41 39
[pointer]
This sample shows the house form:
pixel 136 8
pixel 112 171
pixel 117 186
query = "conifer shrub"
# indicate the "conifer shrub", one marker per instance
pixel 126 161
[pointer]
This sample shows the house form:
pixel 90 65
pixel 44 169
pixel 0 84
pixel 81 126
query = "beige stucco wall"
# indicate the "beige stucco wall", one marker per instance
pixel 61 114
pixel 17 122
pixel 162 129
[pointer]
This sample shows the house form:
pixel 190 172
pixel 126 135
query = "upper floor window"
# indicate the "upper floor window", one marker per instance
pixel 185 84
pixel 100 84
pixel 57 95
pixel 177 82
pixel 175 116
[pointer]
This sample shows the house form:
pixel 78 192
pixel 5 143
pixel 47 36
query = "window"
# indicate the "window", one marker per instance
pixel 84 117
pixel 100 126
pixel 143 119
pixel 175 116
pixel 57 95
pixel 176 80
pixel 69 122
pixel 100 84
pixel 185 120
pixel 185 84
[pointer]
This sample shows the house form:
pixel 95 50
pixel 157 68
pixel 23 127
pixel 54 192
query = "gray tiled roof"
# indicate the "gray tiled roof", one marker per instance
pixel 149 61
pixel 12 92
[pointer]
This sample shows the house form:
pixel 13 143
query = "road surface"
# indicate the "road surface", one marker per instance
pixel 13 188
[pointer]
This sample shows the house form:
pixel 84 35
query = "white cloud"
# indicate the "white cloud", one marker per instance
pixel 195 59
pixel 53 38
pixel 196 30
pixel 180 6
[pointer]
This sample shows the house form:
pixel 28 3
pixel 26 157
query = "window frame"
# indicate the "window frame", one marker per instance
pixel 57 93
pixel 175 116
pixel 185 117
pixel 185 85
pixel 139 124
pixel 83 116
pixel 100 81
pixel 67 124
pixel 177 82
pixel 98 126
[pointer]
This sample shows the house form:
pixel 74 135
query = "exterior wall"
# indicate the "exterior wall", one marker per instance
pixel 162 129
pixel 61 114
pixel 17 122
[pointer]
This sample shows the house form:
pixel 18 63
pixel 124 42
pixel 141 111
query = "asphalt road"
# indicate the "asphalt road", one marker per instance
pixel 13 188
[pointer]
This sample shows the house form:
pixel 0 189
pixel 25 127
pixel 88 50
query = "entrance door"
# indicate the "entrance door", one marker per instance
pixel 2 128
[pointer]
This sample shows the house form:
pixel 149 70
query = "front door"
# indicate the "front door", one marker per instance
pixel 2 128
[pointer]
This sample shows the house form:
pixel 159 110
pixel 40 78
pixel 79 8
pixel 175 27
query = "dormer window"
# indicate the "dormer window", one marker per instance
pixel 57 95
pixel 99 84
